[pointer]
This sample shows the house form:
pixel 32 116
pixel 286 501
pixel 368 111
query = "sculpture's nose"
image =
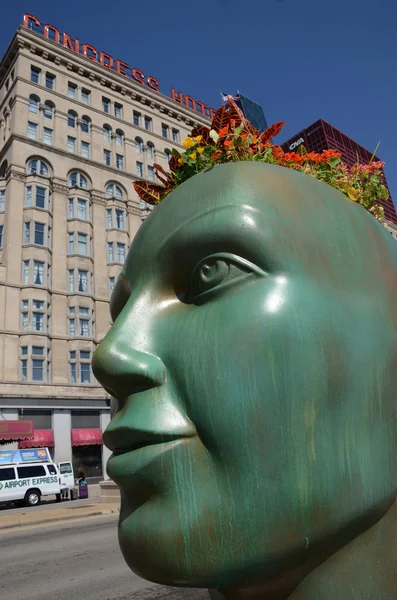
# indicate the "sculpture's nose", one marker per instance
pixel 122 369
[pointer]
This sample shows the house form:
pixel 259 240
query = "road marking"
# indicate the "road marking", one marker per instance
pixel 54 523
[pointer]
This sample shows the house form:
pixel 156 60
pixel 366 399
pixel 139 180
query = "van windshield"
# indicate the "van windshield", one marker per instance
pixel 65 468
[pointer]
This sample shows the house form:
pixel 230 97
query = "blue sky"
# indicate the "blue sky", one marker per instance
pixel 300 60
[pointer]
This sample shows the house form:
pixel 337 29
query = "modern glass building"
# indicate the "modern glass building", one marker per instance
pixel 322 136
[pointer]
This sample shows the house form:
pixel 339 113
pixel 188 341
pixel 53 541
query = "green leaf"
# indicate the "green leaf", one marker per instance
pixel 383 192
pixel 175 152
pixel 239 129
pixel 335 160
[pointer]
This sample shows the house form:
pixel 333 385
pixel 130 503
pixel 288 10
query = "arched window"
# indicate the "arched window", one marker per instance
pixel 119 138
pixel 167 155
pixel 107 133
pixel 85 124
pixel 49 110
pixel 76 179
pixel 150 150
pixel 114 191
pixel 34 102
pixel 138 145
pixel 39 167
pixel 72 118
pixel 3 169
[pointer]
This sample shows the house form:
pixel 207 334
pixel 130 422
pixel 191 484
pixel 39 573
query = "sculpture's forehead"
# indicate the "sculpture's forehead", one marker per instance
pixel 222 198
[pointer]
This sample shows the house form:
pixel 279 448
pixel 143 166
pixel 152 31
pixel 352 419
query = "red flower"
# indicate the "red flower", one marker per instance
pixel 224 131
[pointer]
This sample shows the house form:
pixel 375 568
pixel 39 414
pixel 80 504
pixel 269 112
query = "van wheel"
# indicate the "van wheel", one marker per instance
pixel 32 498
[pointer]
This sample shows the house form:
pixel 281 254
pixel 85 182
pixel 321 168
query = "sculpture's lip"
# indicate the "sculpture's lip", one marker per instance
pixel 154 442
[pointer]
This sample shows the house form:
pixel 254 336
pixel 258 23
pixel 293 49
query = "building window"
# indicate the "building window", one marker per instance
pixel 84 321
pixel 111 284
pixel 138 145
pixel 85 96
pixel 164 130
pixel 82 278
pixel 72 90
pixel 118 110
pixel 80 368
pixel 35 74
pixel 119 138
pixel 105 104
pixel 109 218
pixel 48 111
pixel 120 219
pixel 26 232
pixel 175 135
pixel 137 118
pixel 40 196
pixel 167 155
pixel 82 244
pixel 37 321
pixel 120 253
pixel 114 191
pixel 71 144
pixel 83 281
pixel 38 166
pixel 32 131
pixel 1 235
pixel 85 149
pixel 72 119
pixel 50 81
pixel 110 252
pixel 82 211
pixel 107 133
pixel 78 180
pixel 139 168
pixel 39 231
pixel 34 104
pixel 72 321
pixel 148 124
pixel 150 173
pixel 107 157
pixel 120 161
pixel 47 136
pixel 34 364
pixel 38 272
pixel 150 151
pixel 85 125
pixel 2 200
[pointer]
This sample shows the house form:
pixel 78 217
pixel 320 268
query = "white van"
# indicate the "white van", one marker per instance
pixel 27 475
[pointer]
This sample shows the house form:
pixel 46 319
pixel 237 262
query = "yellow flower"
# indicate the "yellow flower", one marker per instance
pixel 198 138
pixel 188 143
pixel 180 161
pixel 193 155
pixel 200 150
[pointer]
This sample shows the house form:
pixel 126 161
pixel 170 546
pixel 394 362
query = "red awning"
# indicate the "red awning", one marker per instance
pixel 16 430
pixel 43 438
pixel 86 437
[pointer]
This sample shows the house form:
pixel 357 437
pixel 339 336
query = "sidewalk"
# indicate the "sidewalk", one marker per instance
pixel 63 512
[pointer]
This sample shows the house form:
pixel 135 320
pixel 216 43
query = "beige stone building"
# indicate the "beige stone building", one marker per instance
pixel 73 137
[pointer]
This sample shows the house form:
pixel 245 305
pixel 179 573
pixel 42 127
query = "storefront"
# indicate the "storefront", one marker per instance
pixel 12 431
pixel 87 451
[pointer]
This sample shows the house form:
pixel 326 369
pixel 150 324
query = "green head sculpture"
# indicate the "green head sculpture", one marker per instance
pixel 253 359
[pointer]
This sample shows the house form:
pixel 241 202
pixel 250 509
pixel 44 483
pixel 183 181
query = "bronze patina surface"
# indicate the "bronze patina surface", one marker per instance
pixel 253 358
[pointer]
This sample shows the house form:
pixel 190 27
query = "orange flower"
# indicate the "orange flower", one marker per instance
pixel 215 155
pixel 293 157
pixel 227 144
pixel 278 152
pixel 224 131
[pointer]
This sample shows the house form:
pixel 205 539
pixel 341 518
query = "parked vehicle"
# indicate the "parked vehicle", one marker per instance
pixel 28 475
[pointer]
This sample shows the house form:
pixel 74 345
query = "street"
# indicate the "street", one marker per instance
pixel 78 559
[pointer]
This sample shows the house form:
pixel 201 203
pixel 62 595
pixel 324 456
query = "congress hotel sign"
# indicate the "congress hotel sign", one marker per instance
pixel 106 60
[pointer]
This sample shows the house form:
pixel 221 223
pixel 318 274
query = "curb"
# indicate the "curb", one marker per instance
pixel 108 512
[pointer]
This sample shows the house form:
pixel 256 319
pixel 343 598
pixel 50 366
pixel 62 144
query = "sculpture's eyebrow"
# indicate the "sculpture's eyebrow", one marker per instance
pixel 204 215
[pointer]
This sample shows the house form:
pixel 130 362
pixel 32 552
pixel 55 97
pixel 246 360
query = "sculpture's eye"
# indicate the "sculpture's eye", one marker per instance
pixel 216 272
